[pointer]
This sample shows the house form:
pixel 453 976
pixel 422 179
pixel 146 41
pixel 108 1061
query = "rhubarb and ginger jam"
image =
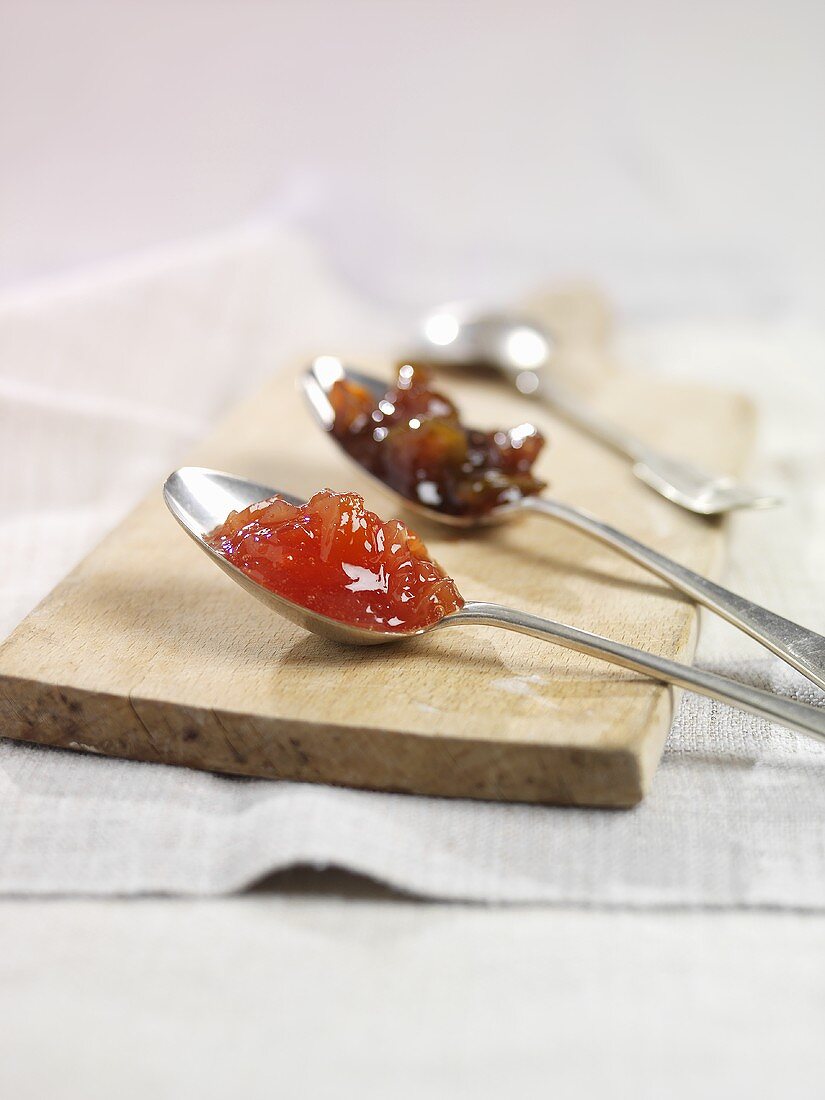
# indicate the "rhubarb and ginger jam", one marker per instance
pixel 335 557
pixel 414 441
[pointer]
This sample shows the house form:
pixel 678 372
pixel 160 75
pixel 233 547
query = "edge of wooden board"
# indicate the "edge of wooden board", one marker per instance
pixel 290 749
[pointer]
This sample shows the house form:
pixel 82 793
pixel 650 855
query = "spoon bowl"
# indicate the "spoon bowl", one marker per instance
pixel 201 499
pixel 317 382
pixel 459 336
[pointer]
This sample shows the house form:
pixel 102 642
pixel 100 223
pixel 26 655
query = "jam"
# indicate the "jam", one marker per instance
pixel 335 557
pixel 414 441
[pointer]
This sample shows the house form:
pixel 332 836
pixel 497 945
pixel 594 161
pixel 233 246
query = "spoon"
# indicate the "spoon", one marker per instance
pixel 801 648
pixel 200 499
pixel 522 352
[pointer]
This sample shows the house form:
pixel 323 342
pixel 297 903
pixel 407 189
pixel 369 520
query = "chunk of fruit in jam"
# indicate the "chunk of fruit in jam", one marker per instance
pixel 335 557
pixel 414 441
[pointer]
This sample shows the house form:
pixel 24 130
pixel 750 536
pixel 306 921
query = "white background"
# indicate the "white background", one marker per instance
pixel 436 148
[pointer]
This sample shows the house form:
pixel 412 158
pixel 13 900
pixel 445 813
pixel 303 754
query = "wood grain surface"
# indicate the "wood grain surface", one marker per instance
pixel 147 651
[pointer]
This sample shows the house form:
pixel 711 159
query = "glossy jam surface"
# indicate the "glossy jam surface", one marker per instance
pixel 414 441
pixel 335 557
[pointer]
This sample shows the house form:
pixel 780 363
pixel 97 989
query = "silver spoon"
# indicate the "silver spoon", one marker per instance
pixel 802 648
pixel 200 499
pixel 522 351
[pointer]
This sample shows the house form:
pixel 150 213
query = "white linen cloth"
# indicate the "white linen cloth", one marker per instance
pixel 104 384
pixel 336 998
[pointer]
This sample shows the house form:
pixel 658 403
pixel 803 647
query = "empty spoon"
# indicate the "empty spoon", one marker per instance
pixel 200 499
pixel 522 352
pixel 802 648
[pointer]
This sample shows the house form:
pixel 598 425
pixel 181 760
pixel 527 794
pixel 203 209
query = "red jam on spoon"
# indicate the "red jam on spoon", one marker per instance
pixel 335 557
pixel 413 440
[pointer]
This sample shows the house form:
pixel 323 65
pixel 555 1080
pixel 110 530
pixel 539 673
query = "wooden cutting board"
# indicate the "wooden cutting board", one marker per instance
pixel 147 651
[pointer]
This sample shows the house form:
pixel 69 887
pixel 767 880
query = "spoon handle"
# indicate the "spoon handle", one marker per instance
pixel 802 648
pixel 801 717
pixel 680 482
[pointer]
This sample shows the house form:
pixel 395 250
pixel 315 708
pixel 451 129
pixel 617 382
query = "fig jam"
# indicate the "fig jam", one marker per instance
pixel 335 557
pixel 414 441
